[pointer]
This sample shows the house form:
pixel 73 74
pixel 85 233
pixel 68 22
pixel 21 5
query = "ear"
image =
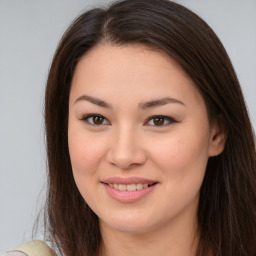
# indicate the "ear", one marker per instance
pixel 218 137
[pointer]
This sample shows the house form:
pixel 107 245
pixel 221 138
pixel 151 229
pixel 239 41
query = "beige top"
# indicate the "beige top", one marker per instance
pixel 31 248
pixel 13 253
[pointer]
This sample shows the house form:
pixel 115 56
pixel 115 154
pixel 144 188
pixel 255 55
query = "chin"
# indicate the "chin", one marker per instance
pixel 129 224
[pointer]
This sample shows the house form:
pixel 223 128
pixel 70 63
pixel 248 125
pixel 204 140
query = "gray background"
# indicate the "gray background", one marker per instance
pixel 29 32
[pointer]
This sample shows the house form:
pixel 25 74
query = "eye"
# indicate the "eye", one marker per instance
pixel 95 119
pixel 160 120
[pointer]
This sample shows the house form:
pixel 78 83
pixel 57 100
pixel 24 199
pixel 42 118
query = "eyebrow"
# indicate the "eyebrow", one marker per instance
pixel 93 100
pixel 142 105
pixel 159 102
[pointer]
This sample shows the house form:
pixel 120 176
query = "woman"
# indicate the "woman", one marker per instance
pixel 150 148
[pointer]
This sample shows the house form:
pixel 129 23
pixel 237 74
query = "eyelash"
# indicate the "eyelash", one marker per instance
pixel 169 119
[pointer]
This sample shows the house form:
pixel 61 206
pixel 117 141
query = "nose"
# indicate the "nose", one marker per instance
pixel 126 149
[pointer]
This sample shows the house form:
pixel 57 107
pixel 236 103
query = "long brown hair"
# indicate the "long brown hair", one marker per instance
pixel 227 207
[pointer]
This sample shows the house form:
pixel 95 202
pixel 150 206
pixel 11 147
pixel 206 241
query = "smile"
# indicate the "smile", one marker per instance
pixel 129 187
pixel 129 190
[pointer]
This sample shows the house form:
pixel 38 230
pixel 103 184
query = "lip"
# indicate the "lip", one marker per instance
pixel 128 196
pixel 128 180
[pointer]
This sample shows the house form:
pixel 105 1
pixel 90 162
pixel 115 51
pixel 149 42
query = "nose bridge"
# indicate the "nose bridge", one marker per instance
pixel 126 147
pixel 126 139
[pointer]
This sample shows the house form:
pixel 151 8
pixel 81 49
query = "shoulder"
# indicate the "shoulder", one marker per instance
pixel 31 248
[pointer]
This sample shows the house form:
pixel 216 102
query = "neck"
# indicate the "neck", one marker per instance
pixel 179 238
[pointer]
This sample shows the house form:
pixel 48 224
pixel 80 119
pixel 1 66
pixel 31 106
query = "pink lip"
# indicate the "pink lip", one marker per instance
pixel 129 180
pixel 128 196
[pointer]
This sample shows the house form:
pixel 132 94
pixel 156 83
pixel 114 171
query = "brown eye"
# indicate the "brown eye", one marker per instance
pixel 158 121
pixel 95 119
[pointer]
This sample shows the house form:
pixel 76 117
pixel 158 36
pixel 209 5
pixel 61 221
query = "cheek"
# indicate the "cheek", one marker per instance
pixel 85 152
pixel 182 161
pixel 183 156
pixel 178 153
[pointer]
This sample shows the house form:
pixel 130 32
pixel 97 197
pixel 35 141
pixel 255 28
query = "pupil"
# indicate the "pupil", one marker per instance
pixel 98 120
pixel 158 121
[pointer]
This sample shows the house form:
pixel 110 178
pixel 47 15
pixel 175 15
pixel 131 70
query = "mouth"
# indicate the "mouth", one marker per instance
pixel 129 190
pixel 130 187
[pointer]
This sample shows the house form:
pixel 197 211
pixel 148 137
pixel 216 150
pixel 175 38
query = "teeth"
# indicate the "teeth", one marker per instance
pixel 122 187
pixel 129 187
pixel 139 186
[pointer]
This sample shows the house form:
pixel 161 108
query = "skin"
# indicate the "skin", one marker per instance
pixel 128 143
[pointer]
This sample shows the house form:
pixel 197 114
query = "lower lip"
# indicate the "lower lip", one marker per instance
pixel 128 196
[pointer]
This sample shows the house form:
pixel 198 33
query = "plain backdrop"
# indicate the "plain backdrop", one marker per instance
pixel 29 33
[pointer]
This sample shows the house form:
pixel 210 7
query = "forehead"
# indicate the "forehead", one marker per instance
pixel 133 55
pixel 128 70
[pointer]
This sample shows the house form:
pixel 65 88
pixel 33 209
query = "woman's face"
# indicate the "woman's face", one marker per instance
pixel 139 138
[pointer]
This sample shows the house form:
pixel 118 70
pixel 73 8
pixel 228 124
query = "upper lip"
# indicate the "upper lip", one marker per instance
pixel 128 180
